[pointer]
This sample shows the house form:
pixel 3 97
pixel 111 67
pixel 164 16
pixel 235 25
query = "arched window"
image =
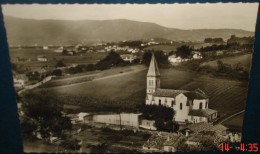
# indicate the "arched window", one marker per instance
pixel 180 106
pixel 160 103
pixel 172 103
pixel 206 105
pixel 200 105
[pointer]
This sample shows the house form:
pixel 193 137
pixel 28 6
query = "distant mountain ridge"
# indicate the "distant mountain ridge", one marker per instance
pixel 45 32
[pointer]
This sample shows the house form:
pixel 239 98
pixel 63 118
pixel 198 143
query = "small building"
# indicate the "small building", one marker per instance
pixel 202 115
pixel 163 142
pixel 174 59
pixel 193 140
pixel 197 55
pixel 18 83
pixel 41 58
pixel 45 47
pixel 82 115
pixel 128 57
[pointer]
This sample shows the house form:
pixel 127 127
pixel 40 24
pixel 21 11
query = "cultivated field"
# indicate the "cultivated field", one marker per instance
pixel 235 123
pixel 126 87
pixel 31 53
pixel 245 60
pixel 226 96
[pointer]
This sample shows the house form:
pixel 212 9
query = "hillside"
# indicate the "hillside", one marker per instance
pixel 44 32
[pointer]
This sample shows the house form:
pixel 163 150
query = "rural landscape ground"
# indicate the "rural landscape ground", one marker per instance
pixel 227 96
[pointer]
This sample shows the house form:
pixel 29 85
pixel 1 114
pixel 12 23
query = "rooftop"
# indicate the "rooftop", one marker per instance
pixel 196 94
pixel 168 92
pixel 202 112
pixel 153 68
pixel 199 127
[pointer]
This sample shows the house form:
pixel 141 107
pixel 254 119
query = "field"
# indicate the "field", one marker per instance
pixel 235 123
pixel 245 60
pixel 123 85
pixel 30 53
pixel 226 96
pixel 175 45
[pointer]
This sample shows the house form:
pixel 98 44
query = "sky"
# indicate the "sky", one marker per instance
pixel 182 16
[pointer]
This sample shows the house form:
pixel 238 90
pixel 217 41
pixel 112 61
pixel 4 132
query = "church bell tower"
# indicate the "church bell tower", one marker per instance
pixel 153 80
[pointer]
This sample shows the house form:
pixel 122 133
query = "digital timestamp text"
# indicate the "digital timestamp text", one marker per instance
pixel 243 147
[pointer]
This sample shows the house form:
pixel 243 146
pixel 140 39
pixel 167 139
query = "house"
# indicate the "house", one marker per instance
pixel 18 83
pixel 41 58
pixel 189 106
pixel 197 55
pixel 174 59
pixel 162 142
pixel 45 47
pixel 128 57
pixel 193 140
pixel 82 115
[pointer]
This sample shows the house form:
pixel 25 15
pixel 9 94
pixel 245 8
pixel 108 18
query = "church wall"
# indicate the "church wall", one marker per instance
pixel 196 104
pixel 150 98
pixel 181 114
pixel 165 101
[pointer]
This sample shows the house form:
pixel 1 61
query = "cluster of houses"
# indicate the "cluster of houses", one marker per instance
pixel 174 59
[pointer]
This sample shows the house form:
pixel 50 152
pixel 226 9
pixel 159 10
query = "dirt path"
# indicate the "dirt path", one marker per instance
pixel 229 117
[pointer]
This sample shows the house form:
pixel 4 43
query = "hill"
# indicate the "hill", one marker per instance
pixel 45 32
pixel 226 96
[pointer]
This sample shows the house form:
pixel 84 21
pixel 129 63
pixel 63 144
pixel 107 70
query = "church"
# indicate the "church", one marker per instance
pixel 189 106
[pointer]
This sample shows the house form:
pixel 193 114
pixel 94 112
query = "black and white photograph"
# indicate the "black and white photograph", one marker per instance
pixel 116 78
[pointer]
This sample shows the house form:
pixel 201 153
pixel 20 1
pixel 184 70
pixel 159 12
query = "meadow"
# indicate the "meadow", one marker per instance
pixel 245 61
pixel 52 57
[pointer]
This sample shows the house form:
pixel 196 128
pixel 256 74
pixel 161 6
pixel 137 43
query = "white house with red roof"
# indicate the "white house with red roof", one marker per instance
pixel 189 106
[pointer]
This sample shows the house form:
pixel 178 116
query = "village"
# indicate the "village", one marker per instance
pixel 189 125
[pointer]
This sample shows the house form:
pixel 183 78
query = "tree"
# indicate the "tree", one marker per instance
pixel 33 75
pixel 57 72
pixel 60 63
pixel 157 112
pixel 112 59
pixel 184 51
pixel 160 57
pixel 46 109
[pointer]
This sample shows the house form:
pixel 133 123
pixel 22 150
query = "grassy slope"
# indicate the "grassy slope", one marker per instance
pixel 235 122
pixel 120 87
pixel 245 60
pixel 226 96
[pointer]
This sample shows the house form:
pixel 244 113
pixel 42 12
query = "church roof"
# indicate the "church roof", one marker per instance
pixel 202 112
pixel 153 68
pixel 196 94
pixel 168 92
